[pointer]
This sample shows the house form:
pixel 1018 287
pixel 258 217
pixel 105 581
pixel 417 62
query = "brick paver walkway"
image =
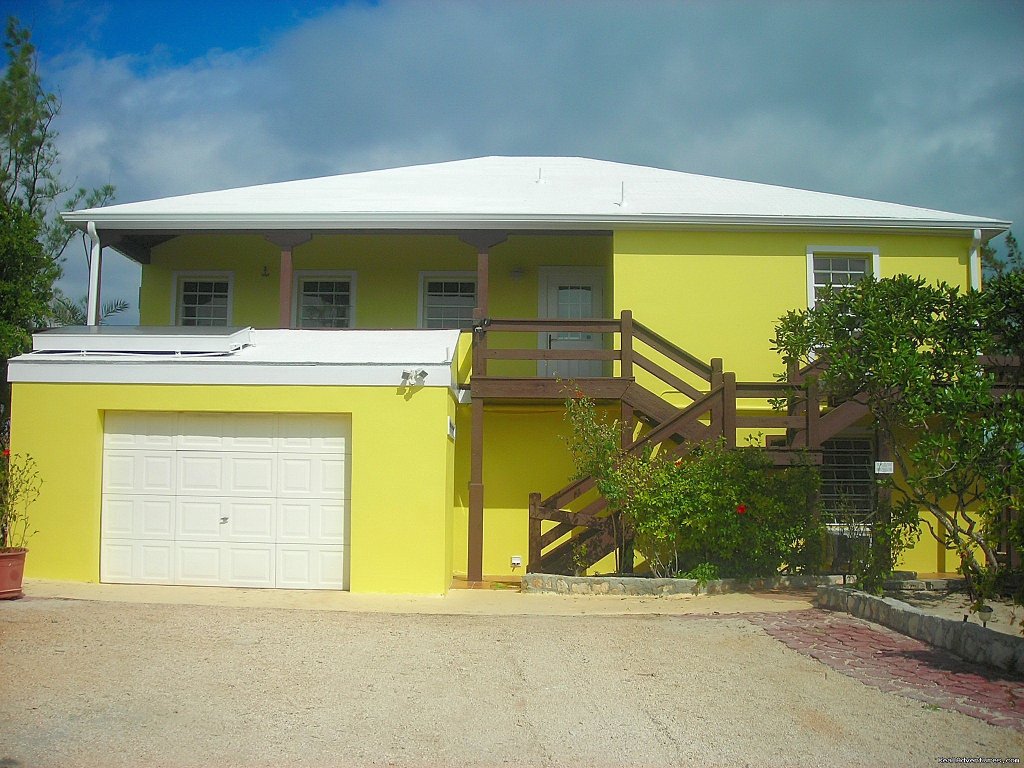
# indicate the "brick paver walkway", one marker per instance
pixel 889 661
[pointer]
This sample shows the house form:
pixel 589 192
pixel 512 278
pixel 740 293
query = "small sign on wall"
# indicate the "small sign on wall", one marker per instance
pixel 883 467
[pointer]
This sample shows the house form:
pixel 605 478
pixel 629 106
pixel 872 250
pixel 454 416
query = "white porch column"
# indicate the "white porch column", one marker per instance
pixel 92 314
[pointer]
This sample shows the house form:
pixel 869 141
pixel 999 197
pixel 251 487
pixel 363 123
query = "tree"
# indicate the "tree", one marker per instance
pixel 66 311
pixel 954 420
pixel 26 280
pixel 29 187
pixel 29 158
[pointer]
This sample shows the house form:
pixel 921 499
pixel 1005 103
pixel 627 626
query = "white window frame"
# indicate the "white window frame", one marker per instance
pixel 460 275
pixel 178 279
pixel 325 274
pixel 853 251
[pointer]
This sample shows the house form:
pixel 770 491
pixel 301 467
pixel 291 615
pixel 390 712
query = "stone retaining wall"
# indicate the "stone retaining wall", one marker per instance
pixel 636 585
pixel 968 641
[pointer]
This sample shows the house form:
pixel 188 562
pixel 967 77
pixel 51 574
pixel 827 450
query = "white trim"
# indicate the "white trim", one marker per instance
pixel 93 308
pixel 839 250
pixel 425 275
pixel 75 369
pixel 330 274
pixel 208 274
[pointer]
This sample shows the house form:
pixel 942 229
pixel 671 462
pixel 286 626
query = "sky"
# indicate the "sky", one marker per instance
pixel 920 103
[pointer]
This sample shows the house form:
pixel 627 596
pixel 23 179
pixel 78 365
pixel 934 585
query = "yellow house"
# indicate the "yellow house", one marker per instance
pixel 356 382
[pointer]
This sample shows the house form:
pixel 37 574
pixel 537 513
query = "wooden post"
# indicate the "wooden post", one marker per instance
pixel 535 532
pixel 716 404
pixel 626 345
pixel 287 242
pixel 483 242
pixel 284 290
pixel 812 437
pixel 729 408
pixel 475 543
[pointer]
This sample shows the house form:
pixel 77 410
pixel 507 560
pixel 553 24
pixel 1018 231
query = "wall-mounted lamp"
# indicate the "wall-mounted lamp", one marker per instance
pixel 414 377
pixel 517 274
pixel 265 272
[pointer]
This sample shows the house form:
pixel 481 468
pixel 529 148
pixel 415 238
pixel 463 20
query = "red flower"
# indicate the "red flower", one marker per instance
pixel 7 453
pixel 741 509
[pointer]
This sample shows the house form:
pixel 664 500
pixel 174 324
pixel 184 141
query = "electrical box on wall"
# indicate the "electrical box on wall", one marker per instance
pixel 517 561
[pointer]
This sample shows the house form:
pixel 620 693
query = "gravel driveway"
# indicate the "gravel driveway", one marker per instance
pixel 108 684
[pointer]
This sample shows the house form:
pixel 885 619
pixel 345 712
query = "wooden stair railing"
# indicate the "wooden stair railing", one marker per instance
pixel 582 537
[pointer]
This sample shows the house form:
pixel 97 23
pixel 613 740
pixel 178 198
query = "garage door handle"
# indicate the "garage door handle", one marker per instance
pixel 223 520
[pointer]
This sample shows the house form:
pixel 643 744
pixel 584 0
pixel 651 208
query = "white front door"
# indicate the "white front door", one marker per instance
pixel 571 293
pixel 225 499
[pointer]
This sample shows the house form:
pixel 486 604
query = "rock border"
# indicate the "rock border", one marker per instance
pixel 637 585
pixel 968 641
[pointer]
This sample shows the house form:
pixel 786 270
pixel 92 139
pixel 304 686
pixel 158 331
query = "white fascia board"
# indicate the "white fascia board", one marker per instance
pixel 400 221
pixel 80 370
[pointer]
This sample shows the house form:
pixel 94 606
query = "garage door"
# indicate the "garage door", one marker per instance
pixel 223 499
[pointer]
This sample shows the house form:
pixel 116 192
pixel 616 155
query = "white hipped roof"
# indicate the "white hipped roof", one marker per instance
pixel 536 193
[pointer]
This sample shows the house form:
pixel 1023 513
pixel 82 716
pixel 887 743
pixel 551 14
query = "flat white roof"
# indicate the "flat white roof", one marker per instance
pixel 335 358
pixel 516 193
pixel 123 339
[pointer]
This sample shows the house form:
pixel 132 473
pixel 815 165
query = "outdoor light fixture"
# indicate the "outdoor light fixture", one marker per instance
pixel 414 377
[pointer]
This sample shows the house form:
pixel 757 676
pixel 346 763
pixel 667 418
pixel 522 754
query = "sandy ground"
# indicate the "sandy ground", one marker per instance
pixel 125 683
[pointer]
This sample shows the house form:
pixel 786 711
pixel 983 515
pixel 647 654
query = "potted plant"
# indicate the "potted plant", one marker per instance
pixel 19 487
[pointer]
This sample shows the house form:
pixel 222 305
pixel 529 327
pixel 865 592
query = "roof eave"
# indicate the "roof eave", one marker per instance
pixel 447 221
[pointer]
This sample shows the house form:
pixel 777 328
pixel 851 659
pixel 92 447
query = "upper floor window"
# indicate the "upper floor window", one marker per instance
pixel 325 300
pixel 838 267
pixel 448 300
pixel 203 300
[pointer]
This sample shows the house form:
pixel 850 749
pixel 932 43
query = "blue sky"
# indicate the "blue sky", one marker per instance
pixel 912 102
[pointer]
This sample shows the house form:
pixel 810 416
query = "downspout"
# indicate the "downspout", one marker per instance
pixel 974 261
pixel 92 314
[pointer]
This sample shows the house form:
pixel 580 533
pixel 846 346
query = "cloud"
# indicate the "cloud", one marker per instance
pixel 919 103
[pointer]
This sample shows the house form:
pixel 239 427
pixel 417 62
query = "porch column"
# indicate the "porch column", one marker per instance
pixel 483 242
pixel 287 242
pixel 92 310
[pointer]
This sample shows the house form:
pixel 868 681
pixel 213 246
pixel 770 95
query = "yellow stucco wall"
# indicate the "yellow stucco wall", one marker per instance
pixel 387 271
pixel 715 294
pixel 402 493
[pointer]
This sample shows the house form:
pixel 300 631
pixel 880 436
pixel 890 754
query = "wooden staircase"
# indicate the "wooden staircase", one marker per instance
pixel 585 530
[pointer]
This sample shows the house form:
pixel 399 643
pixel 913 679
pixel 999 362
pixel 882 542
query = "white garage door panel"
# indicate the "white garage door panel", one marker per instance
pixel 138 517
pixel 305 567
pixel 311 475
pixel 225 519
pixel 149 431
pixel 138 472
pixel 311 434
pixel 137 562
pixel 246 500
pixel 226 473
pixel 311 521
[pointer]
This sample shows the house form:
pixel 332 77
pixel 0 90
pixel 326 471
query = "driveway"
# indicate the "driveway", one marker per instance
pixel 96 683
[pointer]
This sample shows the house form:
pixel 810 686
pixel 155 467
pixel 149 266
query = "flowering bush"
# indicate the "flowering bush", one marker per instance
pixel 19 488
pixel 728 508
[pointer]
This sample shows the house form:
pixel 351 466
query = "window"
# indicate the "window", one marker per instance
pixel 448 300
pixel 324 300
pixel 838 267
pixel 203 300
pixel 847 482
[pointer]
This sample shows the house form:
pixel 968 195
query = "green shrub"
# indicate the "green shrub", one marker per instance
pixel 729 508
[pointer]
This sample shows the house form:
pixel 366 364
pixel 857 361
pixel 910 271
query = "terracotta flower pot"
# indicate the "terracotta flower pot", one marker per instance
pixel 12 571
